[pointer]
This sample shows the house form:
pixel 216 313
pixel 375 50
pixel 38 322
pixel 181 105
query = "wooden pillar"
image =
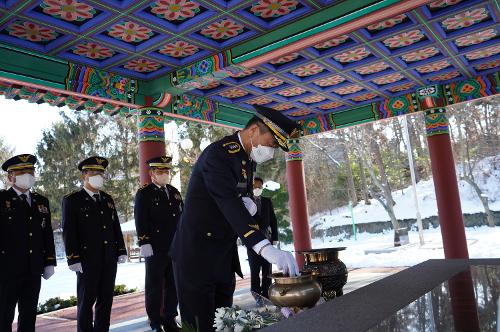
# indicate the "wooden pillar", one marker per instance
pixel 298 200
pixel 433 99
pixel 150 124
pixel 463 302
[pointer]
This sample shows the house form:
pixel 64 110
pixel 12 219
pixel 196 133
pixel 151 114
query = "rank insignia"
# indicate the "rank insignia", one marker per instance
pixel 244 173
pixel 111 205
pixel 177 197
pixel 232 147
pixel 43 223
pixel 7 204
pixel 42 209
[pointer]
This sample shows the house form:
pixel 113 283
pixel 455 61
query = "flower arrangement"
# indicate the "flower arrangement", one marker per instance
pixel 239 320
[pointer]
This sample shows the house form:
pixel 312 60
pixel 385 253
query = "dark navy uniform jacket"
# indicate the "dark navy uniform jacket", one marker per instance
pixel 91 231
pixel 26 238
pixel 157 215
pixel 266 219
pixel 214 214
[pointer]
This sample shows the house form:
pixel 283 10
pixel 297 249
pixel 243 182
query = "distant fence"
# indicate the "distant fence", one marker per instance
pixel 470 220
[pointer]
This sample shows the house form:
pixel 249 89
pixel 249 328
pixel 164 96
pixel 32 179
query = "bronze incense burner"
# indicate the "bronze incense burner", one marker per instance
pixel 328 269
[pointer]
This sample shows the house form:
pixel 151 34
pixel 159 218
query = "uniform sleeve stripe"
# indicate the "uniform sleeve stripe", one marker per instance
pixel 247 234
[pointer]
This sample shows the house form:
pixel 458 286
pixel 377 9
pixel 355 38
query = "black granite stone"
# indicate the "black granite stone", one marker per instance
pixel 366 307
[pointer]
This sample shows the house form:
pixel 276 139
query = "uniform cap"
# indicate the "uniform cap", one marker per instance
pixel 93 163
pixel 280 125
pixel 20 162
pixel 160 162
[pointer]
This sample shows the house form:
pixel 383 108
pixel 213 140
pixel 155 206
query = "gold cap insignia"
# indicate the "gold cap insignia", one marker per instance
pixel 24 158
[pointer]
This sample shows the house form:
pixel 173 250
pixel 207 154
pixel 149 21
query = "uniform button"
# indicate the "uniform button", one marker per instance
pixel 31 234
pixel 157 231
pixel 104 226
pixel 10 217
pixel 170 204
pixel 102 212
pixel 31 218
pixel 156 203
pixel 173 214
pixel 84 247
pixel 209 234
pixel 3 252
pixel 31 251
pixel 105 242
pixel 86 215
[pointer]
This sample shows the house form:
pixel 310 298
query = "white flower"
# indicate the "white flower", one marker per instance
pixel 239 328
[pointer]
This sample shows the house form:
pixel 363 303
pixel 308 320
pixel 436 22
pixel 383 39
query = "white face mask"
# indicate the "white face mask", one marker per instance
pixel 96 181
pixel 25 181
pixel 260 153
pixel 162 179
pixel 257 192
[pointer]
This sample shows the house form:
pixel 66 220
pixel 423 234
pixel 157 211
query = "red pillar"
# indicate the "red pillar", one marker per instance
pixel 463 302
pixel 150 123
pixel 446 185
pixel 298 201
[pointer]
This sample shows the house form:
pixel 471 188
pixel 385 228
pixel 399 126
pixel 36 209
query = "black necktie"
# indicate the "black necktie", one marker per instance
pixel 25 199
pixel 97 201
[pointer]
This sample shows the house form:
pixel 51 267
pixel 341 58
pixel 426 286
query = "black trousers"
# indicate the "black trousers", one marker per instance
pixel 258 263
pixel 160 289
pixel 95 286
pixel 199 299
pixel 22 290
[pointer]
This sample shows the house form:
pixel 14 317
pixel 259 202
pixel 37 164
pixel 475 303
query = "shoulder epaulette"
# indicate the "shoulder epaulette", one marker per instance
pixel 71 193
pixel 231 147
pixel 143 186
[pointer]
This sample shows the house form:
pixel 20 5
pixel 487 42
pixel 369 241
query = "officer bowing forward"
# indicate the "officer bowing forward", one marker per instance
pixel 158 207
pixel 219 208
pixel 94 244
pixel 26 244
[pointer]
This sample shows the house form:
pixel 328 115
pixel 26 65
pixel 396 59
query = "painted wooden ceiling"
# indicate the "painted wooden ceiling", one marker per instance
pixel 441 42
pixel 142 39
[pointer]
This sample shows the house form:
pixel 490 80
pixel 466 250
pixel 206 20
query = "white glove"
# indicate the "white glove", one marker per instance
pixel 284 260
pixel 275 243
pixel 250 205
pixel 122 259
pixel 77 267
pixel 48 272
pixel 146 250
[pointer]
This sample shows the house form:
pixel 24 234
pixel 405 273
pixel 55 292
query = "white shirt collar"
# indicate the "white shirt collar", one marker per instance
pixel 91 193
pixel 241 142
pixel 19 193
pixel 162 188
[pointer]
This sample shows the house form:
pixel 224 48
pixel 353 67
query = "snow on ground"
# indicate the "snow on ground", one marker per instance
pixel 483 243
pixel 63 283
pixel 487 174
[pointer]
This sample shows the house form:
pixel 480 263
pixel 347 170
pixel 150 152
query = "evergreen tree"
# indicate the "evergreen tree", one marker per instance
pixel 80 136
pixel 5 153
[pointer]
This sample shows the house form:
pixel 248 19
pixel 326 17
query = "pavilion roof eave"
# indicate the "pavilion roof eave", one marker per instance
pixel 32 92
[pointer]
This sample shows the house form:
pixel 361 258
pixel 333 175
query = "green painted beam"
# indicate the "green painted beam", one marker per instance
pixel 233 116
pixel 353 116
pixel 32 68
pixel 326 19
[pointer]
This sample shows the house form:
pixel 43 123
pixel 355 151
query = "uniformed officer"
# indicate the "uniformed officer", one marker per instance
pixel 158 207
pixel 267 224
pixel 94 243
pixel 26 244
pixel 218 208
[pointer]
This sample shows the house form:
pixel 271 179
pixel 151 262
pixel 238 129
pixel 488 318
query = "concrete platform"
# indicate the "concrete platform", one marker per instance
pixel 129 314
